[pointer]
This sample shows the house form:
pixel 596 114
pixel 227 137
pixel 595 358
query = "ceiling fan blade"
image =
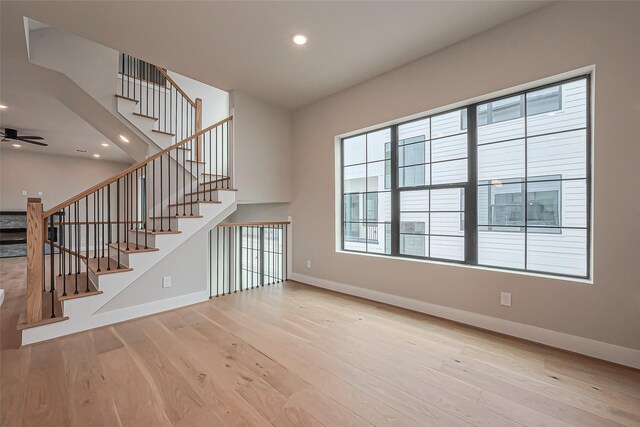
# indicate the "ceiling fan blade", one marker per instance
pixel 34 142
pixel 30 137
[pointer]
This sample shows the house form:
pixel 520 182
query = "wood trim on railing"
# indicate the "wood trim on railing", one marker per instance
pixel 130 169
pixel 199 147
pixel 62 248
pixel 248 224
pixel 35 254
pixel 164 73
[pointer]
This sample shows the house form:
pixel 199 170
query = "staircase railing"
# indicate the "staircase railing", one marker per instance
pixel 245 256
pixel 88 233
pixel 159 97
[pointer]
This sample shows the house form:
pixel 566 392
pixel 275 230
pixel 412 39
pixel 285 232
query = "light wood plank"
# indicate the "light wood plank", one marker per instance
pixel 293 354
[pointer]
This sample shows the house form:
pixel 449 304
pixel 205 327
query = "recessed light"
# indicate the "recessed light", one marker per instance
pixel 3 107
pixel 124 139
pixel 96 155
pixel 299 39
pixel 17 145
pixel 104 144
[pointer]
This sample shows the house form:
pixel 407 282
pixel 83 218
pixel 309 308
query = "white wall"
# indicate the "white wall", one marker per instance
pixel 262 150
pixel 187 266
pixel 58 177
pixel 553 40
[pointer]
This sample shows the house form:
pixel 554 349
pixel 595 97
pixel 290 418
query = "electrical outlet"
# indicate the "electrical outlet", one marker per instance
pixel 39 193
pixel 24 192
pixel 308 263
pixel 166 282
pixel 505 299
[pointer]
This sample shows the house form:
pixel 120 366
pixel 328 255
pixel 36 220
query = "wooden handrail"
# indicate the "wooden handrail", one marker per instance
pixel 130 169
pixel 62 248
pixel 164 73
pixel 248 224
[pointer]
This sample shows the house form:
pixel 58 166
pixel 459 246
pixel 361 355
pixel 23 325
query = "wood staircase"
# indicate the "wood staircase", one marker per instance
pixel 127 223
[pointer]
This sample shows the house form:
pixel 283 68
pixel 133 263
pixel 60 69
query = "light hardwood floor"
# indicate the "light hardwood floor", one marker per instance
pixel 293 355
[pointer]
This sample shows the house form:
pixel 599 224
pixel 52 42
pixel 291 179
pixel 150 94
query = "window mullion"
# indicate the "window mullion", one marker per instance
pixel 395 194
pixel 471 189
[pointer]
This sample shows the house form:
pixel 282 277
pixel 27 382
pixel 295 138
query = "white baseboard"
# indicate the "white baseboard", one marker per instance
pixel 54 330
pixel 598 349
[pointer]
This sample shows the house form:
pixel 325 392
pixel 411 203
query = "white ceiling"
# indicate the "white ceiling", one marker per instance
pixel 33 108
pixel 246 45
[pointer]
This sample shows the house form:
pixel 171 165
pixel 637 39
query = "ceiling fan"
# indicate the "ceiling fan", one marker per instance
pixel 12 134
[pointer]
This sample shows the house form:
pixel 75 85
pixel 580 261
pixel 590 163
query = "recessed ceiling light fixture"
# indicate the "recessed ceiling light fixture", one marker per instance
pixel 124 139
pixel 3 107
pixel 17 145
pixel 104 144
pixel 96 155
pixel 300 39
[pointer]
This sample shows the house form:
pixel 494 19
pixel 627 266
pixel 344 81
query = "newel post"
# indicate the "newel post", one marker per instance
pixel 35 252
pixel 199 148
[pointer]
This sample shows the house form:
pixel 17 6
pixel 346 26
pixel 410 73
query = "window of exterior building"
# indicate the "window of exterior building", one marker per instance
pixel 503 183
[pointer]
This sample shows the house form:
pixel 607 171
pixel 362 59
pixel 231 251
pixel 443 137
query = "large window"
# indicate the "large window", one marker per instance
pixel 503 183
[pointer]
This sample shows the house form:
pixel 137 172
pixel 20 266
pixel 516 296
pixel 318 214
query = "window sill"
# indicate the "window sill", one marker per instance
pixel 475 267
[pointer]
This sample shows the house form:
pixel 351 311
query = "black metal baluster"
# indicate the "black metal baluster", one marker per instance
pixel 125 210
pixel 230 249
pixel 118 221
pixel 161 199
pixel 145 213
pixel 184 180
pixel 78 249
pixel 102 221
pixel 86 231
pixel 108 227
pixel 63 242
pixel 224 236
pixel 99 226
pixel 52 285
pixel 169 187
pixel 137 217
pixel 153 92
pixel 153 194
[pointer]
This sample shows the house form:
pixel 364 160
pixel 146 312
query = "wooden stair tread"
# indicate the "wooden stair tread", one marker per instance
pixel 70 280
pixel 145 116
pixel 127 98
pixel 195 202
pixel 157 232
pixel 176 217
pixel 107 266
pixel 130 247
pixel 163 132
pixel 46 313
pixel 211 190
pixel 196 161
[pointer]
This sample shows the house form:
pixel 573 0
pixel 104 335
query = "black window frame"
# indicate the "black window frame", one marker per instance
pixel 469 220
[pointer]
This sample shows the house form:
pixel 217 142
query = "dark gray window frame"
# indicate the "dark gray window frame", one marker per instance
pixel 470 221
